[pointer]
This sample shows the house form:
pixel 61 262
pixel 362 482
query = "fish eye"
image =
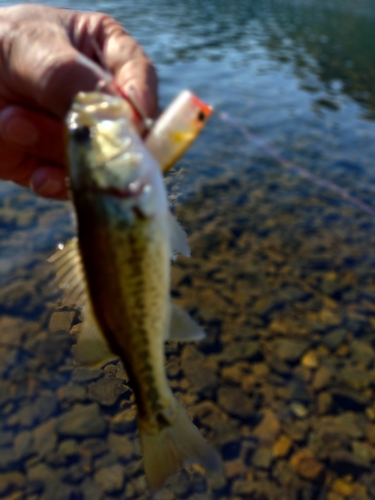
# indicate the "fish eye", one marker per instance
pixel 81 134
pixel 201 116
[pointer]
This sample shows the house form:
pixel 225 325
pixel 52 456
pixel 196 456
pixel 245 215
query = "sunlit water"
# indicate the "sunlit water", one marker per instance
pixel 281 275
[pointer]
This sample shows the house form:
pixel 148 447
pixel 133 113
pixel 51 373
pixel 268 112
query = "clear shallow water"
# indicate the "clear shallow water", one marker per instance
pixel 281 275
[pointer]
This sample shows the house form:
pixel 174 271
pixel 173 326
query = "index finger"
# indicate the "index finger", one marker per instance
pixel 121 55
pixel 43 68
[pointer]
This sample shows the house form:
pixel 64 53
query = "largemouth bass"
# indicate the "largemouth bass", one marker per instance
pixel 118 269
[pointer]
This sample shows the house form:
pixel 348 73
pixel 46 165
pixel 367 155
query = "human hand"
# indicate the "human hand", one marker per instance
pixel 40 74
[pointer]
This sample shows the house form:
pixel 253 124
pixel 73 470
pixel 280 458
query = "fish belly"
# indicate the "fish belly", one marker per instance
pixel 127 265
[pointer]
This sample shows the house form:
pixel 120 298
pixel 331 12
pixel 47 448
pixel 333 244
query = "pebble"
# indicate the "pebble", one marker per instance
pixel 203 380
pixel 353 378
pixel 342 487
pixel 299 410
pixel 106 390
pixel 282 447
pixel 297 429
pixel 234 468
pixel 121 446
pixel 74 474
pixel 90 490
pixel 310 360
pixel 262 457
pixel 306 465
pixel 125 421
pixel 322 378
pixel 242 350
pixel 45 438
pixel 110 479
pixel 11 481
pixel 362 353
pixel 68 448
pixel 333 339
pixel 269 427
pixel 324 403
pixel 61 321
pixel 71 393
pixel 82 421
pixel 235 402
pixel 94 447
pixel 41 475
pixel 83 375
pixel 23 445
pixel 290 351
pixel 363 451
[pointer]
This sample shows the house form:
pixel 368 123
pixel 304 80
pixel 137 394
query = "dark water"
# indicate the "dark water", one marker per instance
pixel 281 276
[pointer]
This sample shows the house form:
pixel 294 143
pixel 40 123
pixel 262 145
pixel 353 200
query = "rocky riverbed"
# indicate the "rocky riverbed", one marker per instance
pixel 283 384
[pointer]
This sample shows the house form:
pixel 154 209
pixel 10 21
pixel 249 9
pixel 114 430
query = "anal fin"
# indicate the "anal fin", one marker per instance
pixel 92 348
pixel 182 327
pixel 179 243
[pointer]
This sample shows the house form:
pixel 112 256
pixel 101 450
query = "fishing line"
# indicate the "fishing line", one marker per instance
pixel 296 169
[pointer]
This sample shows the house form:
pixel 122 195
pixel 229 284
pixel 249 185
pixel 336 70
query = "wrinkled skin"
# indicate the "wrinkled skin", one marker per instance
pixel 39 77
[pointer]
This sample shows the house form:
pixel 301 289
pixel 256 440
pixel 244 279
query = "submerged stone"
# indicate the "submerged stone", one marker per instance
pixel 82 421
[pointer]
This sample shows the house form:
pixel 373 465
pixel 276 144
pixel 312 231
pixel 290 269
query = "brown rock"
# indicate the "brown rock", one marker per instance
pixel 324 402
pixel 61 321
pixel 107 390
pixel 110 479
pixel 234 468
pixel 82 421
pixel 125 421
pixel 121 446
pixel 306 465
pixel 309 360
pixel 282 447
pixel 233 373
pixel 322 378
pixel 209 414
pixel 268 429
pixel 11 481
pixel 342 487
pixel 235 402
pixel 262 457
pixel 291 350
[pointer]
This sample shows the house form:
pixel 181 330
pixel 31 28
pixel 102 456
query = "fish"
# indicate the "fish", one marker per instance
pixel 118 270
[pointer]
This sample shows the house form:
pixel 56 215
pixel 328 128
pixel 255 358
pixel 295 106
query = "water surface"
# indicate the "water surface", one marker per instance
pixel 281 276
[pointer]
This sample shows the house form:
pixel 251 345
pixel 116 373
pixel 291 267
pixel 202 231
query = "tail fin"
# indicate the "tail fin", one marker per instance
pixel 175 447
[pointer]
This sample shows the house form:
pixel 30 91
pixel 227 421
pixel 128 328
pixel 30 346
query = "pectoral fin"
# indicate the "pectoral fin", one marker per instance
pixel 179 243
pixel 182 327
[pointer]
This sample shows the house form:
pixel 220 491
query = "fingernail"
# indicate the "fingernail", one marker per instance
pixel 20 131
pixel 51 187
